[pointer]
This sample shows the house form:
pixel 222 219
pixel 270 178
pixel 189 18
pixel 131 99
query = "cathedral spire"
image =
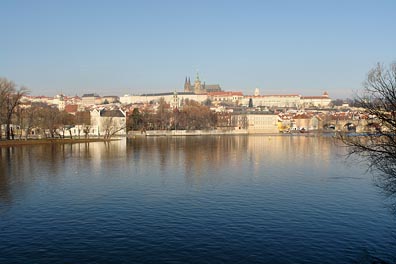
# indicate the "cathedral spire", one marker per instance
pixel 187 85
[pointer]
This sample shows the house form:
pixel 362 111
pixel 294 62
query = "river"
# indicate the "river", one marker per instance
pixel 201 199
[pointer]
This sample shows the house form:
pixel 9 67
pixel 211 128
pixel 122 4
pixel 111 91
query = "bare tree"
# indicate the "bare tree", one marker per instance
pixel 49 120
pixel 378 98
pixel 163 114
pixel 10 98
pixel 111 127
pixel 28 120
pixel 83 122
pixel 65 123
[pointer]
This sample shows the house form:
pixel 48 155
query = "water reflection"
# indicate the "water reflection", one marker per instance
pixel 22 165
pixel 5 163
pixel 202 158
pixel 231 199
pixel 197 158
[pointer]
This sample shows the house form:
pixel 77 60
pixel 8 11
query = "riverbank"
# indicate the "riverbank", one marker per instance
pixel 149 133
pixel 186 132
pixel 22 142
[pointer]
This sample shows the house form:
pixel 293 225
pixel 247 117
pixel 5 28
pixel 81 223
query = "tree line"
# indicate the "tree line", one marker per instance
pixel 192 116
pixel 18 121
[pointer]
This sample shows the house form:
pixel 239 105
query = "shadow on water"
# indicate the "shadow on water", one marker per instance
pixel 385 181
pixel 5 164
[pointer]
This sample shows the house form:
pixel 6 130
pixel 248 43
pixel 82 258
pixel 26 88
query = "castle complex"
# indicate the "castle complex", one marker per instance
pixel 199 88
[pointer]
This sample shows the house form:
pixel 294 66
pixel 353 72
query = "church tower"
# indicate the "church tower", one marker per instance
pixel 187 85
pixel 197 85
pixel 257 92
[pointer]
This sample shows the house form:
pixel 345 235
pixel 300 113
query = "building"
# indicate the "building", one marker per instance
pixel 286 100
pixel 170 98
pixel 199 87
pixel 108 122
pixel 234 98
pixel 59 101
pixel 91 99
pixel 277 100
pixel 316 101
pixel 262 123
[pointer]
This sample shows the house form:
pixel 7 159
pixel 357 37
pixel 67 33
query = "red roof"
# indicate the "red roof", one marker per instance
pixel 71 108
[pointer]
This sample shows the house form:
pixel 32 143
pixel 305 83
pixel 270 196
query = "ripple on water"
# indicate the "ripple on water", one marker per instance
pixel 194 200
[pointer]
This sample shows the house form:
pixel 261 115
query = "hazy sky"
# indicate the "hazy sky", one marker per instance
pixel 119 47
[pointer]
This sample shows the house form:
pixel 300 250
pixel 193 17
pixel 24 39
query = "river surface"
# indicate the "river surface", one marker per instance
pixel 220 199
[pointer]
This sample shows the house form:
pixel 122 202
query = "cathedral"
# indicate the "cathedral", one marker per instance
pixel 199 88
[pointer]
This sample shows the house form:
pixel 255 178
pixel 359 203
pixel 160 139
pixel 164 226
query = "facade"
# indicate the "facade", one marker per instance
pixel 253 123
pixel 170 98
pixel 316 101
pixel 262 123
pixel 91 99
pixel 226 97
pixel 281 100
pixel 286 100
pixel 108 122
pixel 59 101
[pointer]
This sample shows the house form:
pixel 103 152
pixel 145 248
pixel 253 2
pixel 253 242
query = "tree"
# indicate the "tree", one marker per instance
pixel 135 120
pixel 207 102
pixel 28 120
pixel 83 122
pixel 49 120
pixel 66 121
pixel 378 98
pixel 111 126
pixel 250 102
pixel 163 114
pixel 196 116
pixel 337 102
pixel 10 98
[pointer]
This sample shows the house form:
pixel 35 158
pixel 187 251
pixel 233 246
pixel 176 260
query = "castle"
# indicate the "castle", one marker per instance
pixel 199 88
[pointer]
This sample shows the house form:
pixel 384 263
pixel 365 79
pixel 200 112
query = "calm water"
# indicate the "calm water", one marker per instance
pixel 245 199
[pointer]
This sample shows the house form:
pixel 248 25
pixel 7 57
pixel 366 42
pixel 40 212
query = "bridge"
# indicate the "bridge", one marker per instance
pixel 361 125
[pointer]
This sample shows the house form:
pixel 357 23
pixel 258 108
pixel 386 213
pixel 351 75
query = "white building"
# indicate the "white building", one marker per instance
pixel 280 100
pixel 316 101
pixel 262 123
pixel 108 122
pixel 226 97
pixel 168 97
pixel 287 100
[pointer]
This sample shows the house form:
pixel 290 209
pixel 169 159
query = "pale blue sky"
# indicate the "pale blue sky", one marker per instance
pixel 147 46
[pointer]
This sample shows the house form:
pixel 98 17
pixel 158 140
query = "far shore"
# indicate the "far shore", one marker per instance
pixel 23 142
pixel 177 133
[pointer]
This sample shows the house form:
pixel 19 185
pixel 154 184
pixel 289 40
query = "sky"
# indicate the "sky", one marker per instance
pixel 150 46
